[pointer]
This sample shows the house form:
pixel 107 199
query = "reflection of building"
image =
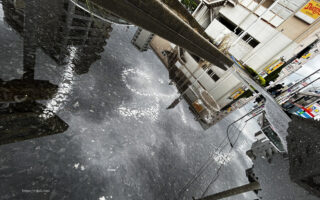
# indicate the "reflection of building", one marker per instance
pixel 268 142
pixel 304 104
pixel 253 186
pixel 40 26
pixel 268 131
pixel 61 24
pixel 141 39
pixel 276 174
pixel 21 121
pixel 304 154
pixel 274 179
pixel 292 175
pixel 260 35
pixel 55 27
pixel 20 113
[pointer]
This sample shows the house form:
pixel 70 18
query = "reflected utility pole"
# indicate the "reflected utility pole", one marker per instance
pixel 232 192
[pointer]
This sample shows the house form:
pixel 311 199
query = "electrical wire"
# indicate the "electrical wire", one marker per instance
pixel 209 161
pixel 248 113
pixel 215 178
pixel 202 169
pixel 96 15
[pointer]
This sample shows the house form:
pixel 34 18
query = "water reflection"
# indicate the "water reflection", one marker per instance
pixel 73 38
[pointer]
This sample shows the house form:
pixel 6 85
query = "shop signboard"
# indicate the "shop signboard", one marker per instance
pixel 197 105
pixel 273 66
pixel 309 112
pixel 304 114
pixel 314 109
pixel 310 12
pixel 237 93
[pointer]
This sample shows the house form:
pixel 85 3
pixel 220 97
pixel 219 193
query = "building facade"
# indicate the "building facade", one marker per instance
pixel 63 24
pixel 304 154
pixel 55 27
pixel 292 175
pixel 260 34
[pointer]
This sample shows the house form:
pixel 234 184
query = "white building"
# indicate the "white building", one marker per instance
pixel 255 33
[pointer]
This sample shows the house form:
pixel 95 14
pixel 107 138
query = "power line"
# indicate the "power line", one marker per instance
pixel 215 178
pixel 209 162
pixel 200 171
pixel 252 111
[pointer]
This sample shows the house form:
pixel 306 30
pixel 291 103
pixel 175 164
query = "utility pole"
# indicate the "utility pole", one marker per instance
pixel 232 192
pixel 159 17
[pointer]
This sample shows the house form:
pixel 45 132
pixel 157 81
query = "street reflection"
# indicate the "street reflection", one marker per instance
pixel 70 36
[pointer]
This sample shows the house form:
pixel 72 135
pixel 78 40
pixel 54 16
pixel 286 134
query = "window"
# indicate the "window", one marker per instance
pixel 75 42
pixel 195 57
pixel 306 100
pixel 210 72
pixel 258 133
pixel 273 137
pixel 204 67
pixel 79 22
pixel 227 23
pixel 77 33
pixel 66 6
pixel 250 40
pixel 213 75
pixel 81 12
pixel 238 31
pixel 267 3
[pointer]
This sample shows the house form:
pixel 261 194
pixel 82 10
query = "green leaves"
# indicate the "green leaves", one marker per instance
pixel 190 4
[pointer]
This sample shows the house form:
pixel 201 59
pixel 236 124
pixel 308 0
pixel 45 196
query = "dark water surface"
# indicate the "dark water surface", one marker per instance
pixel 101 105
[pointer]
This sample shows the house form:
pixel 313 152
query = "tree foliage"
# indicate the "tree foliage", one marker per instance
pixel 255 75
pixel 190 4
pixel 274 75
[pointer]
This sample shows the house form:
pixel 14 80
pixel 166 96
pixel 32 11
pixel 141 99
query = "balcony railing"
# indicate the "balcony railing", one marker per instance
pixel 278 14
